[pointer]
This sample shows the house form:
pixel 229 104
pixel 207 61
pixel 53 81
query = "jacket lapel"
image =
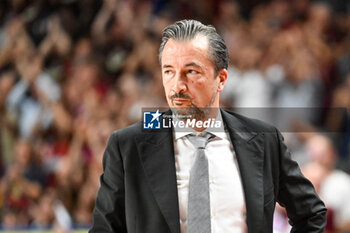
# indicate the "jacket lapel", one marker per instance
pixel 249 149
pixel 156 152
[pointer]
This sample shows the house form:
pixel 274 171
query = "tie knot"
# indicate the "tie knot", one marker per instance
pixel 201 140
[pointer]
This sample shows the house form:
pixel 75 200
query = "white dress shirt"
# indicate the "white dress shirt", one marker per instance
pixel 227 204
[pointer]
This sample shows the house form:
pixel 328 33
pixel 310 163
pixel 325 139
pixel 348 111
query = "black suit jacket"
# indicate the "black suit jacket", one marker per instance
pixel 138 192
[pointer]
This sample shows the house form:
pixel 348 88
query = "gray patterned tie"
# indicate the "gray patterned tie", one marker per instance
pixel 198 211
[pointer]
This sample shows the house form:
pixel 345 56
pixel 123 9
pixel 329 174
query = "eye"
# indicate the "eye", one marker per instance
pixel 192 72
pixel 168 72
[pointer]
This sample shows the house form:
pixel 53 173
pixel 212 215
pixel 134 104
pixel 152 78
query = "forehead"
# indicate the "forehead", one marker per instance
pixel 185 50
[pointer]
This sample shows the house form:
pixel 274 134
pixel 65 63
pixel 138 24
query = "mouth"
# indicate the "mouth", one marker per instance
pixel 180 101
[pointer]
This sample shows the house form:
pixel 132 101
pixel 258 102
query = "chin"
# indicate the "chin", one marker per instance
pixel 182 110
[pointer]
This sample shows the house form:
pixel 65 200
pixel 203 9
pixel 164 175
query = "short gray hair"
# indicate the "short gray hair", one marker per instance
pixel 188 30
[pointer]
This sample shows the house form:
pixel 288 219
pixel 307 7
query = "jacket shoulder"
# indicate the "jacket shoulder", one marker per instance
pixel 252 124
pixel 128 132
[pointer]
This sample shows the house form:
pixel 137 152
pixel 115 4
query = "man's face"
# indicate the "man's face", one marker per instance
pixel 189 76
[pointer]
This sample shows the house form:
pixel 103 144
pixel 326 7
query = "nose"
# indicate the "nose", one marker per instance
pixel 180 84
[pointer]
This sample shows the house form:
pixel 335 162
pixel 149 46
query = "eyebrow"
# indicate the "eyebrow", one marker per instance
pixel 192 64
pixel 167 66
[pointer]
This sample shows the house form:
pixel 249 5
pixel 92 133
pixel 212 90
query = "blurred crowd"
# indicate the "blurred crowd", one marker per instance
pixel 73 71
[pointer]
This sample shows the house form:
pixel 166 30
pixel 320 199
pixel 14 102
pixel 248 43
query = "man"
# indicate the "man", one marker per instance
pixel 151 180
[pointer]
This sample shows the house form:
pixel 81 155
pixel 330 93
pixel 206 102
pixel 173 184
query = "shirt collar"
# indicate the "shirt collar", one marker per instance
pixel 219 132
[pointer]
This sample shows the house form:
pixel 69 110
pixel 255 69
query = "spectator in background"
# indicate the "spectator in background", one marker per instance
pixel 341 122
pixel 21 186
pixel 28 97
pixel 7 124
pixel 332 185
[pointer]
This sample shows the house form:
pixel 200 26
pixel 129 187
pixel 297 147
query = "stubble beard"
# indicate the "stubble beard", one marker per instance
pixel 193 111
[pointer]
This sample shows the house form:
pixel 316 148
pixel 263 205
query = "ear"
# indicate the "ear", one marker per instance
pixel 221 79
